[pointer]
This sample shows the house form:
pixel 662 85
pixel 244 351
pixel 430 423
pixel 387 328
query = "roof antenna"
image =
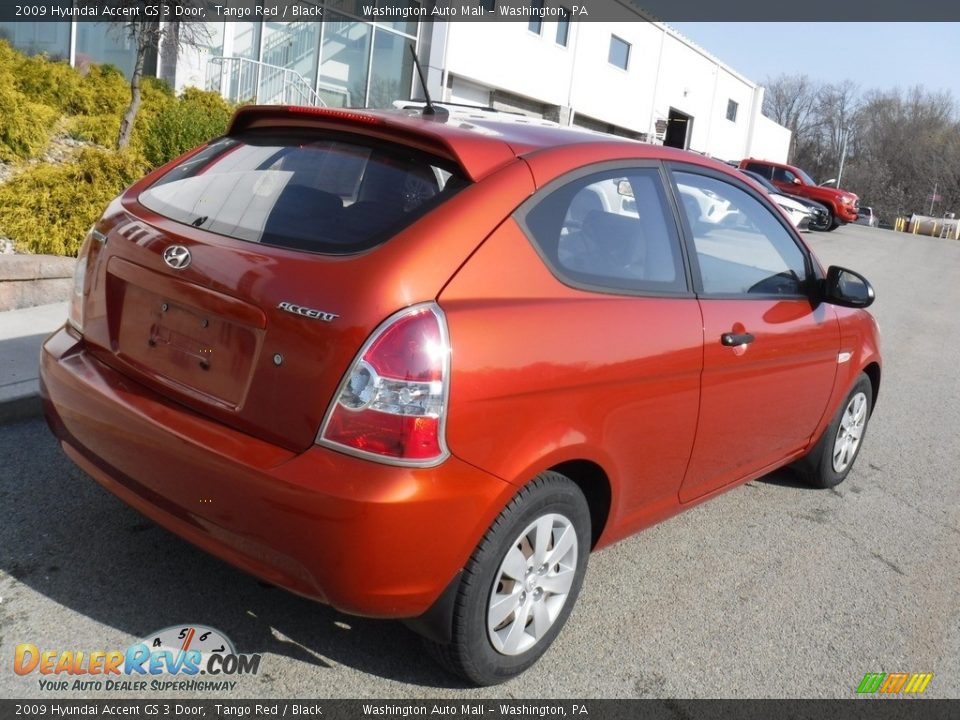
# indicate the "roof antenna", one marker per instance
pixel 430 109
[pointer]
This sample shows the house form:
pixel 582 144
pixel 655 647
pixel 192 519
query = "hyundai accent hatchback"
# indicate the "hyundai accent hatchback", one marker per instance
pixel 420 366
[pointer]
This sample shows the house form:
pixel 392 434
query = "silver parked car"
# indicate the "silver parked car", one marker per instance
pixel 866 217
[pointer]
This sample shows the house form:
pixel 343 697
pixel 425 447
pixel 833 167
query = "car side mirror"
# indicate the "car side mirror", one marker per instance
pixel 625 188
pixel 831 181
pixel 847 288
pixel 797 181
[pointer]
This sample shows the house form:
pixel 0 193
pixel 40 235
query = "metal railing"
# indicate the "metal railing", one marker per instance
pixel 242 80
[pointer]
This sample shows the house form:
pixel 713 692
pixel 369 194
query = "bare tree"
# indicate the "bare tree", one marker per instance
pixel 907 152
pixel 836 112
pixel 147 37
pixel 790 100
pixel 903 147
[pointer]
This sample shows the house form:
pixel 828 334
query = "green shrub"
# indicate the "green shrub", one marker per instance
pixel 24 125
pixel 195 118
pixel 49 208
pixel 155 97
pixel 48 82
pixel 98 129
pixel 102 128
pixel 8 56
pixel 153 85
pixel 102 90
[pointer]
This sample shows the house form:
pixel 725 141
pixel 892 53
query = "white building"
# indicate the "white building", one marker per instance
pixel 639 79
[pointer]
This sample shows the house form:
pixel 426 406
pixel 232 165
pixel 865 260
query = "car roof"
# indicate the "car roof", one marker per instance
pixel 771 163
pixel 479 144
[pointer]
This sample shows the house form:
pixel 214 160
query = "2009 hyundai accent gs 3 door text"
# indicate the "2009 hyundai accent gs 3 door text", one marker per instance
pixel 419 367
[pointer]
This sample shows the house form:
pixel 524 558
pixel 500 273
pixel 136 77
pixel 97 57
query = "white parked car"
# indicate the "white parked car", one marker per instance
pixel 705 206
pixel 798 213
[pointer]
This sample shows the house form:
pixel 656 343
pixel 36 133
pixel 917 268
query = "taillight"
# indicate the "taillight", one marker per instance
pixel 75 314
pixel 391 406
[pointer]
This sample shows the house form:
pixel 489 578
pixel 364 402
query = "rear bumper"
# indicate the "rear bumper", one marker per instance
pixel 367 538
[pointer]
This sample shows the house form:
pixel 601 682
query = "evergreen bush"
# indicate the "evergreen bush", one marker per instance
pixel 198 116
pixel 49 208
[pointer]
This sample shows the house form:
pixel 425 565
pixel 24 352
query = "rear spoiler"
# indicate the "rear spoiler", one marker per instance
pixel 477 155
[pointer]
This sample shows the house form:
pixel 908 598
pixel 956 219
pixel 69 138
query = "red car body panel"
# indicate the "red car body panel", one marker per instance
pixel 542 374
pixel 354 534
pixel 760 402
pixel 245 335
pixel 546 374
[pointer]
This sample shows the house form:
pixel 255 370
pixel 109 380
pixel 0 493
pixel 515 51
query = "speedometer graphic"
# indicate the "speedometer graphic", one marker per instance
pixel 186 638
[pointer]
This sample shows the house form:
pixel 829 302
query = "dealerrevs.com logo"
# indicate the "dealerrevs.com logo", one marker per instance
pixel 168 660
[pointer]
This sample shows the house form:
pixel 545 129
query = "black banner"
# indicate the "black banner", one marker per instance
pixel 475 10
pixel 865 709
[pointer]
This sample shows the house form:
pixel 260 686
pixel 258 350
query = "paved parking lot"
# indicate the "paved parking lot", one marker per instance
pixel 771 590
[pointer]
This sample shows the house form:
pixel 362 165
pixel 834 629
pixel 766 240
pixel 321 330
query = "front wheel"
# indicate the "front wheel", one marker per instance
pixel 521 583
pixel 832 458
pixel 823 223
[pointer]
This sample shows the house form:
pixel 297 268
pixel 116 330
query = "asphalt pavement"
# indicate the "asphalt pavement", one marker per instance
pixel 770 590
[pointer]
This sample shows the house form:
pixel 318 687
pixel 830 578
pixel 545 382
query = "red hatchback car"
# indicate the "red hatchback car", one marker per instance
pixel 419 366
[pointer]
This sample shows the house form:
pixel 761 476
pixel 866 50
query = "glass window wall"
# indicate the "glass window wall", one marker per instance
pixel 105 44
pixel 33 38
pixel 345 61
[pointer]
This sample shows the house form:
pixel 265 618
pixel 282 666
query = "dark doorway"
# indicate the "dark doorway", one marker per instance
pixel 679 126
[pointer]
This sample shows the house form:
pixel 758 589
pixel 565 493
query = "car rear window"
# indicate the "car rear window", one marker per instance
pixel 319 192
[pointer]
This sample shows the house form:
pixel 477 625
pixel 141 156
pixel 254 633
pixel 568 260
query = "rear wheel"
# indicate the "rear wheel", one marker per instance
pixel 832 458
pixel 520 586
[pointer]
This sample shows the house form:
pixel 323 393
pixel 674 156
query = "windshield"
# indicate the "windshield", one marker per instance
pixel 321 192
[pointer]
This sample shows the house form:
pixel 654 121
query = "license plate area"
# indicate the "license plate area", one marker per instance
pixel 178 334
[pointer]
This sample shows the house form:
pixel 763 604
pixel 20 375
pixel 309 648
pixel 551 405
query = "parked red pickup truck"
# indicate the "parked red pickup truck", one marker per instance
pixel 843 205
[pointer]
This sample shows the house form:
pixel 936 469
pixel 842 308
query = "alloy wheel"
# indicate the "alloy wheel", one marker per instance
pixel 532 584
pixel 851 428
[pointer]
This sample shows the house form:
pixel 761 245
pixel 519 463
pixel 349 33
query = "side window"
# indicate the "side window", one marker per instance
pixel 783 175
pixel 609 231
pixel 742 247
pixel 760 169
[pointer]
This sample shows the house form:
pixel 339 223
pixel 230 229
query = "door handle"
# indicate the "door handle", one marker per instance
pixel 734 339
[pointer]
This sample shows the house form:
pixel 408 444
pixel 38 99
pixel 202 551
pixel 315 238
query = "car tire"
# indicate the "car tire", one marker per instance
pixel 834 224
pixel 495 633
pixel 824 226
pixel 832 458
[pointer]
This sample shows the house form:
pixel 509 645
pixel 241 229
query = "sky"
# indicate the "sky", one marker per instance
pixel 874 55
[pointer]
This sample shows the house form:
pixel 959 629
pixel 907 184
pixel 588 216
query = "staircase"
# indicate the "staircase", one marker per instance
pixel 242 80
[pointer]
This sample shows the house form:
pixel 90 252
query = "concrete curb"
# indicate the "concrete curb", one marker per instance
pixel 33 280
pixel 22 334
